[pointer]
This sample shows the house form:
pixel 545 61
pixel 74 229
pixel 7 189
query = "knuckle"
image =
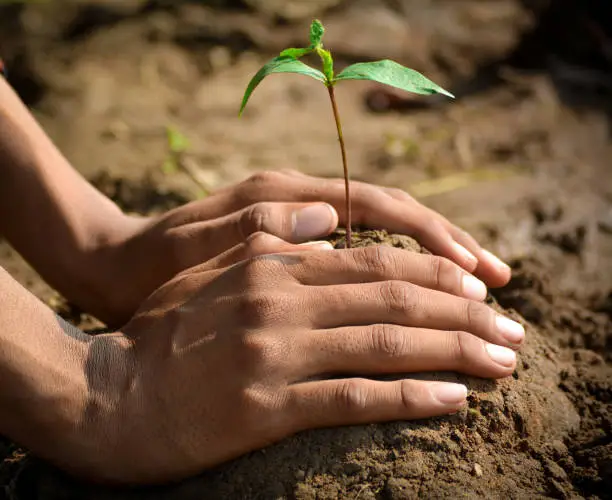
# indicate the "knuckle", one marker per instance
pixel 260 408
pixel 458 348
pixel 389 341
pixel 256 218
pixel 445 273
pixel 260 243
pixel 262 179
pixel 258 308
pixel 257 238
pixel 253 350
pixel 274 421
pixel 477 315
pixel 256 185
pixel 183 275
pixel 399 296
pixel 352 395
pixel 436 271
pixel 409 397
pixel 378 259
pixel 263 357
pixel 399 194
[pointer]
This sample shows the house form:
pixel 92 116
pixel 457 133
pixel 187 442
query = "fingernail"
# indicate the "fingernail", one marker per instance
pixel 324 245
pixel 465 254
pixel 501 355
pixel 473 288
pixel 512 331
pixel 449 394
pixel 313 222
pixel 496 261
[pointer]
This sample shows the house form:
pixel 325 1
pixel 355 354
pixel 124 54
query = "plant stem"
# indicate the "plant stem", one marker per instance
pixel 191 170
pixel 347 189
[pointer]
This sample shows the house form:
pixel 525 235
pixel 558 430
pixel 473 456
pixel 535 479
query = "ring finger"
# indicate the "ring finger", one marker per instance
pixel 388 348
pixel 405 304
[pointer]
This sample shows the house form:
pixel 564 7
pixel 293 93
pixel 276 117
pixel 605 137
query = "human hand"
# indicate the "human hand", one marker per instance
pixel 374 207
pixel 285 204
pixel 230 360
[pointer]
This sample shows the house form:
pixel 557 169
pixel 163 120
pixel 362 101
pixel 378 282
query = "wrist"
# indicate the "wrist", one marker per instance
pixel 101 282
pixel 92 271
pixel 86 415
pixel 33 378
pixel 61 391
pixel 105 442
pixel 68 408
pixel 96 444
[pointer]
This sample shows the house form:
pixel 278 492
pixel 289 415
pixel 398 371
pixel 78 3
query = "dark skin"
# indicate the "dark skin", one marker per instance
pixel 223 317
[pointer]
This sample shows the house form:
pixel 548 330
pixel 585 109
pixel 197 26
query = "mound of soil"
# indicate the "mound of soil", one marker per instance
pixel 513 437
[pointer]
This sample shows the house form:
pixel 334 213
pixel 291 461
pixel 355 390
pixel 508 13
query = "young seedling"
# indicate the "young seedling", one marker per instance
pixel 177 145
pixel 386 72
pixel 176 160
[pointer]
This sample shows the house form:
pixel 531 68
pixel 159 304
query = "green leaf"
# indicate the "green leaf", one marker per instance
pixel 279 65
pixel 316 33
pixel 295 53
pixel 393 74
pixel 328 63
pixel 177 142
pixel 169 167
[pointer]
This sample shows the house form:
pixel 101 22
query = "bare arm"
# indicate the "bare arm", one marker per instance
pixel 45 395
pixel 38 364
pixel 48 212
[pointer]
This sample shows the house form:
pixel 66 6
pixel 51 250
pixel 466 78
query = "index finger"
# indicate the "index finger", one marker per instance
pixel 382 263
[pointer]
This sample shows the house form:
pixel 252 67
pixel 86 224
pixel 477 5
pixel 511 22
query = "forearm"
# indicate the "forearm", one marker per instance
pixel 58 386
pixel 48 212
pixel 42 383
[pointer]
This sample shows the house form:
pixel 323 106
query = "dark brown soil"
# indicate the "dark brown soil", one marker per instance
pixel 528 176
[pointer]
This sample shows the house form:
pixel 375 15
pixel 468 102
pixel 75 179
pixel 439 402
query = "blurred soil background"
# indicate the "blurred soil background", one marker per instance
pixel 522 159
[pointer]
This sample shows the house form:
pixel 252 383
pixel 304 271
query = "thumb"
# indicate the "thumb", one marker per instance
pixel 293 222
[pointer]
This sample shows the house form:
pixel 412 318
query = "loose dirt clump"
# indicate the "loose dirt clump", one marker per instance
pixel 586 380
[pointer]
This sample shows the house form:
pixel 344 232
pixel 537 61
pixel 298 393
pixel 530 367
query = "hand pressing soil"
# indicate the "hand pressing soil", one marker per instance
pixel 509 438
